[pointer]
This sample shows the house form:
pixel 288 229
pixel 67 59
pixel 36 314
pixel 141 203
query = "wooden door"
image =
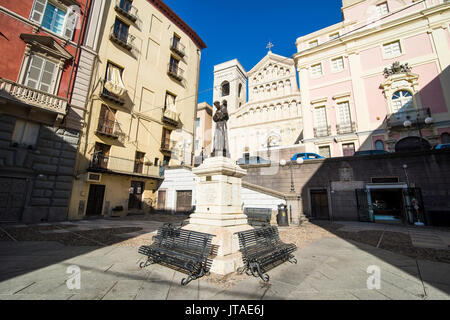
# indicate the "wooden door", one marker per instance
pixel 319 204
pixel 162 196
pixel 95 200
pixel 184 201
pixel 107 120
pixel 136 191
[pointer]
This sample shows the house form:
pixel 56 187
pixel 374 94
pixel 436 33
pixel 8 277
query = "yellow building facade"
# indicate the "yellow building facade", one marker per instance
pixel 142 109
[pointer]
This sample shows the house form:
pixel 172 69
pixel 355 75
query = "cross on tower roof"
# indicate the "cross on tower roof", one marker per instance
pixel 270 45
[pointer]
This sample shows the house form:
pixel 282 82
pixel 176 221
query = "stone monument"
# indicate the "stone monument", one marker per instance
pixel 219 202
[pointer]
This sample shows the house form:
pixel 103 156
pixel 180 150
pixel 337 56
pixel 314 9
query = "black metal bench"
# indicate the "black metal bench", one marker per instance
pixel 262 249
pixel 187 251
pixel 258 217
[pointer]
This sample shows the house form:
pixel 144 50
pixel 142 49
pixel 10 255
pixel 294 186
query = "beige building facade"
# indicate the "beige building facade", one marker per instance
pixel 142 109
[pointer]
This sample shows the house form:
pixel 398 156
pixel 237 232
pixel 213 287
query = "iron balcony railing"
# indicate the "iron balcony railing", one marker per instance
pixel 16 92
pixel 125 8
pixel 344 128
pixel 175 72
pixel 322 131
pixel 176 46
pixel 109 127
pixel 103 163
pixel 121 37
pixel 398 119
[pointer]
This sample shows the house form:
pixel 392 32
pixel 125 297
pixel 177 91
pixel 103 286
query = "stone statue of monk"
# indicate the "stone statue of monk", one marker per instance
pixel 220 147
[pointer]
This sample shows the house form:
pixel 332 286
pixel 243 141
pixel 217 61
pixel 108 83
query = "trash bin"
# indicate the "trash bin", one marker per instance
pixel 282 216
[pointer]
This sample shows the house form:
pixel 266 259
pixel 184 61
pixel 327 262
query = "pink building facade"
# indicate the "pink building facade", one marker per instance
pixel 380 79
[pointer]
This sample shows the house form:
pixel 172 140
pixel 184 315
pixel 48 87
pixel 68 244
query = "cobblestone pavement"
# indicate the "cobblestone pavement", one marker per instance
pixel 329 267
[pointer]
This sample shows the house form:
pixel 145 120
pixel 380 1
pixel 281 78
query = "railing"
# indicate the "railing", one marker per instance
pixel 109 95
pixel 127 10
pixel 399 118
pixel 171 117
pixel 109 127
pixel 322 132
pixel 346 128
pixel 124 166
pixel 176 46
pixel 175 72
pixel 124 40
pixel 33 97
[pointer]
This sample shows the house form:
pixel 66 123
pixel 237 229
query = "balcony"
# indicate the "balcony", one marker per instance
pixel 123 39
pixel 175 72
pixel 320 132
pixel 397 120
pixel 109 95
pixel 126 167
pixel 109 128
pixel 171 117
pixel 346 128
pixel 177 47
pixel 126 9
pixel 19 93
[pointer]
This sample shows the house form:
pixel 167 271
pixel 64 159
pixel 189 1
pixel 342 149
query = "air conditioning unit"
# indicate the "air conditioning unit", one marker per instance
pixel 94 177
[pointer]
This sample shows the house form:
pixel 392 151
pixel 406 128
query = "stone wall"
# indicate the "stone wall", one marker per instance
pixel 47 169
pixel 340 177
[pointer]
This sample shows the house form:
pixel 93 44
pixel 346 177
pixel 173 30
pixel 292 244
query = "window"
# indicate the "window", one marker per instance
pixel 121 30
pixel 392 49
pixel 316 70
pixel 344 113
pixel 314 43
pixel 320 117
pixel 240 90
pixel 170 103
pixel 348 149
pixel 173 65
pixel 225 89
pixel 197 122
pixel 334 36
pixel 382 9
pixel 325 151
pixel 41 74
pixel 166 139
pixel 125 5
pixel 445 138
pixel 402 101
pixel 54 17
pixel 337 64
pixel 139 162
pixel 379 145
pixel 25 133
pixel 156 164
pixel 106 120
pixel 175 41
pixel 101 156
pixel 113 80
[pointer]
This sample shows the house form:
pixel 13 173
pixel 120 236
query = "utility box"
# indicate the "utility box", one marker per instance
pixel 282 217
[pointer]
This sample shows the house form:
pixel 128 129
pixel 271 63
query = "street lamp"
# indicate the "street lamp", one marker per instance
pixel 428 120
pixel 283 163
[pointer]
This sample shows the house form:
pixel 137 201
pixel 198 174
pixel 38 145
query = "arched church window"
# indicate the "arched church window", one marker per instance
pixel 445 138
pixel 240 90
pixel 402 101
pixel 225 89
pixel 379 145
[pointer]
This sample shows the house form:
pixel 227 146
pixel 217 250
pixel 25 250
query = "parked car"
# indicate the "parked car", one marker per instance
pixel 306 156
pixel 370 152
pixel 252 160
pixel 442 146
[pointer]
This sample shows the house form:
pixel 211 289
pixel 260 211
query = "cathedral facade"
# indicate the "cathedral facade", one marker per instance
pixel 271 119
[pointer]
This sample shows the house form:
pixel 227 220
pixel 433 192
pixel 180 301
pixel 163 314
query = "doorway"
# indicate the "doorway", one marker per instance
pixel 136 191
pixel 319 204
pixel 184 201
pixel 95 200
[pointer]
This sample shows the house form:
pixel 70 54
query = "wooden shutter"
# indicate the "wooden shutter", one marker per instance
pixel 47 82
pixel 34 72
pixel 38 10
pixel 71 23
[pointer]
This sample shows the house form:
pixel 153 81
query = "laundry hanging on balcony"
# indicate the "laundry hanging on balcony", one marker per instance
pixel 114 83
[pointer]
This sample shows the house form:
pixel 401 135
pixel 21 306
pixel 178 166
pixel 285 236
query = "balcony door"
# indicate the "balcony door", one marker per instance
pixel 101 155
pixel 41 74
pixel 106 120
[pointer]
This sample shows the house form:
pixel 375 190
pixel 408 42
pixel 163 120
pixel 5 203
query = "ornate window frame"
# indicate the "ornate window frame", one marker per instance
pixel 401 81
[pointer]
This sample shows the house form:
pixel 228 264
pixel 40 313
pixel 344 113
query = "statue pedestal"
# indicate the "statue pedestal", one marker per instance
pixel 219 211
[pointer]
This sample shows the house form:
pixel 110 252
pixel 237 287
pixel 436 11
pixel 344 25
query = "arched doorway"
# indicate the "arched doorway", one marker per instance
pixel 412 144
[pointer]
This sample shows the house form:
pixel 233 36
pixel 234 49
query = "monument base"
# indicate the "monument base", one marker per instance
pixel 219 211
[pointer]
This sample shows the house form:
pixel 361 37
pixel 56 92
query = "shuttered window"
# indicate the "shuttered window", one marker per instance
pixel 41 74
pixel 344 113
pixel 25 133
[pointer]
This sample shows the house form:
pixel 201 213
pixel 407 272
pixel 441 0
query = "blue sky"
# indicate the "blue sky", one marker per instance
pixel 242 28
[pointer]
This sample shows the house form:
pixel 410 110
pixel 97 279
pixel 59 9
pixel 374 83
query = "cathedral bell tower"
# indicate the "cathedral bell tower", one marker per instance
pixel 230 84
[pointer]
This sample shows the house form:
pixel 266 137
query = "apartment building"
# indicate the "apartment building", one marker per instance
pixel 142 109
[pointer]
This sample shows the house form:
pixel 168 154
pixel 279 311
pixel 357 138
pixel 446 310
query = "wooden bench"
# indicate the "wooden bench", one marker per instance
pixel 262 249
pixel 258 217
pixel 187 251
